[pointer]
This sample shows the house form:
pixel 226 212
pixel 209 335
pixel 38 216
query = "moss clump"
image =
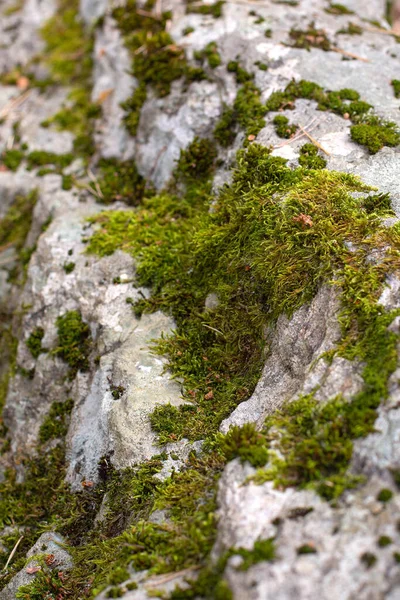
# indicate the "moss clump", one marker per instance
pixel 245 442
pixel 375 133
pixel 310 38
pixel 396 87
pixel 368 559
pixel 283 127
pixel 241 74
pixel 206 9
pixel 55 425
pixel 132 107
pixel 74 342
pixel 249 109
pixel 338 9
pixel 263 550
pixel 384 541
pixel 306 549
pixel 120 180
pixel 14 229
pixel 310 159
pixel 12 159
pixel 198 160
pixel 262 66
pixel 68 48
pixel 351 29
pixel 385 495
pixel 225 130
pixel 69 267
pixel 34 342
pixel 211 54
pixel 40 158
pixel 247 112
pixel 15 225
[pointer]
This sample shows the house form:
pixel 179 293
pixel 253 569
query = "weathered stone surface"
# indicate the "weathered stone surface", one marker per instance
pixel 48 543
pixel 294 366
pixel 340 536
pixel 102 424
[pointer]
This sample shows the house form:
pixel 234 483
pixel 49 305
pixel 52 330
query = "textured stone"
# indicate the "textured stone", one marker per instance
pixel 48 543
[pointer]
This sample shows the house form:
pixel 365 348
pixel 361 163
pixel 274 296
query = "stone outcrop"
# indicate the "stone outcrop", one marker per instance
pixel 344 547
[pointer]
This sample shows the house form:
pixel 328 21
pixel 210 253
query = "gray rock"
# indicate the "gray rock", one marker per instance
pixel 293 367
pixel 48 543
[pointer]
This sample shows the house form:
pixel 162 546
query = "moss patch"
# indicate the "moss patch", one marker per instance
pixel 283 128
pixel 156 60
pixel 310 158
pixel 74 342
pixel 367 129
pixel 310 38
pixel 335 8
pixel 396 87
pixel 34 342
pixel 120 180
pixel 214 10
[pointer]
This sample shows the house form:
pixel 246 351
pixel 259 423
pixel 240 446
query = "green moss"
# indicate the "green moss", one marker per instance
pixel 78 117
pixel 198 160
pixel 132 108
pixel 385 495
pixel 34 341
pixel 12 159
pixel 156 60
pixel 69 267
pixel 368 129
pixel 206 9
pixel 249 109
pixel 283 127
pixel 74 342
pixel 55 425
pixel 67 182
pixel 40 158
pixel 188 30
pixel 47 581
pixel 242 76
pixel 120 180
pixel 396 87
pixel 368 559
pixel 68 47
pixel 306 549
pixel 310 159
pixel 263 550
pixel 245 442
pixel 14 229
pixel 310 38
pixel 338 9
pixel 225 130
pixel 351 29
pixel 396 556
pixel 262 66
pixel 375 133
pixel 384 541
pixel 211 54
